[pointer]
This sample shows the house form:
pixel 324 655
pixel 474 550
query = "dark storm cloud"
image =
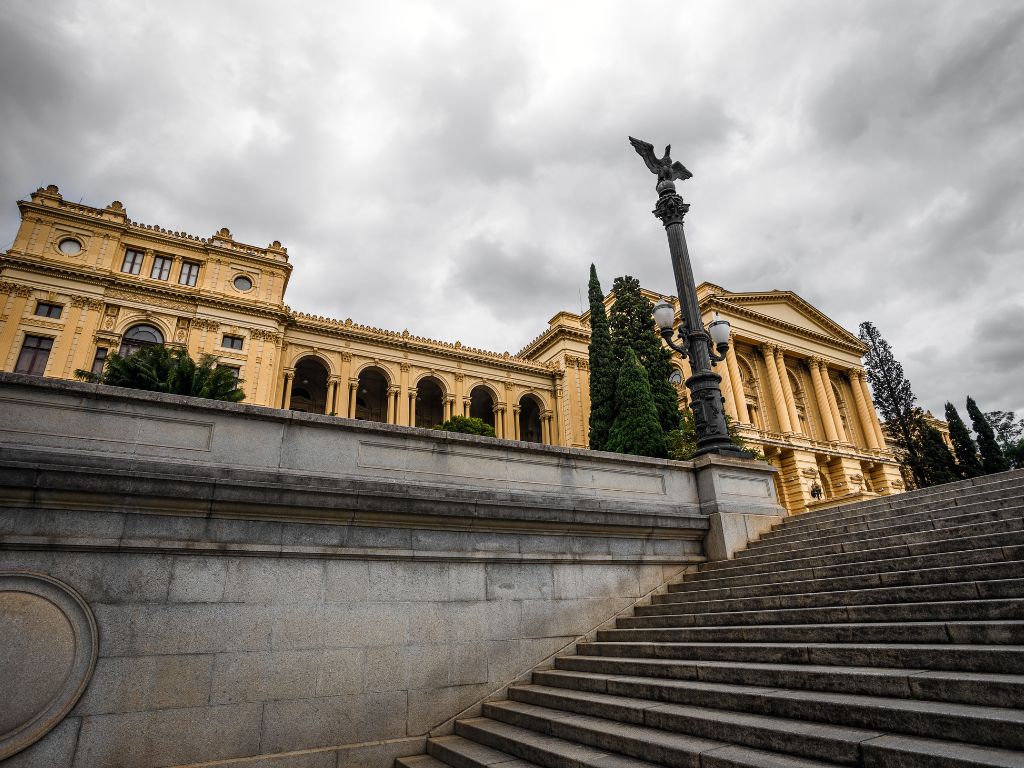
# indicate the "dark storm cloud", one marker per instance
pixel 454 169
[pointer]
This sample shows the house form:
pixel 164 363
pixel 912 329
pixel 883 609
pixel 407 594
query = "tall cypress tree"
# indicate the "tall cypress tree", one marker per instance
pixel 603 368
pixel 936 459
pixel 894 399
pixel 632 327
pixel 992 458
pixel 636 429
pixel 963 446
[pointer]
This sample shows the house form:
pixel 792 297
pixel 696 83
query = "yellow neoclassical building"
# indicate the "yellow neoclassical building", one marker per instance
pixel 81 282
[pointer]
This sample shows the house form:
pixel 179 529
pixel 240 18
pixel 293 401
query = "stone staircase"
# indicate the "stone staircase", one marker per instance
pixel 885 633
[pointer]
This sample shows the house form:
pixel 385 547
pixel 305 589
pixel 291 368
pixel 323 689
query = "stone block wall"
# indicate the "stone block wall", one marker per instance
pixel 277 590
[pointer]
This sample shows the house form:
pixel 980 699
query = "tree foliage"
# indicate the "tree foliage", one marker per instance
pixel 169 369
pixel 682 443
pixel 636 429
pixel 894 399
pixel 1007 428
pixel 603 367
pixel 632 328
pixel 992 458
pixel 966 452
pixel 936 460
pixel 467 425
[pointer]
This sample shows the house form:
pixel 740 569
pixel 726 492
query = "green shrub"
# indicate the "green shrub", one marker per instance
pixel 171 370
pixel 467 425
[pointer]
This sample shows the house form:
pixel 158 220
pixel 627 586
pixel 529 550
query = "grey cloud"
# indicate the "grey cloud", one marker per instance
pixel 865 155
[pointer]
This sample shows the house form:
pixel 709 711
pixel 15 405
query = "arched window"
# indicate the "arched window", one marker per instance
pixel 429 403
pixel 139 336
pixel 372 395
pixel 481 405
pixel 309 392
pixel 529 420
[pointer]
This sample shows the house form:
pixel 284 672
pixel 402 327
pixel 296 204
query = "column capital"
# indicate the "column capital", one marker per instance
pixel 289 372
pixel 670 208
pixel 394 390
pixel 413 391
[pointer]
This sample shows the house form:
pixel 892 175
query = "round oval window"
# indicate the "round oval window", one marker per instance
pixel 70 247
pixel 243 283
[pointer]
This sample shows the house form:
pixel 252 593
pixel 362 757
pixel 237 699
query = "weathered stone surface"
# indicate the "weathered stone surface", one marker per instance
pixel 254 600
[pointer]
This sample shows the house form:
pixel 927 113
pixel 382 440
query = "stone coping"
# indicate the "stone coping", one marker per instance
pixel 197 404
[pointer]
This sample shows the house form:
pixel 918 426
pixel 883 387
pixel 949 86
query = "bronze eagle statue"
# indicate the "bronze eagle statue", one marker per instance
pixel 665 169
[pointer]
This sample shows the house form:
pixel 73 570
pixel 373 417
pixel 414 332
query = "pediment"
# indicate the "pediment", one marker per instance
pixel 787 308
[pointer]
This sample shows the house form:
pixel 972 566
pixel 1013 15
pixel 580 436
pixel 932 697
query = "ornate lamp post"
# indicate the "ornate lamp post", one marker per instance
pixel 704 347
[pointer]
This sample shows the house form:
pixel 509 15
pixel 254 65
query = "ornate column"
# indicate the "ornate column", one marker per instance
pixel 342 407
pixel 875 423
pixel 824 409
pixel 545 427
pixel 92 315
pixel 728 396
pixel 736 379
pixel 332 395
pixel 289 376
pixel 402 412
pixel 833 406
pixel 353 394
pixel 412 407
pixel 499 420
pixel 787 389
pixel 558 436
pixel 867 427
pixel 449 406
pixel 704 385
pixel 516 410
pixel 392 395
pixel 768 352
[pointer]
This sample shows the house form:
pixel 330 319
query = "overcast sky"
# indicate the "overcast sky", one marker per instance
pixel 454 168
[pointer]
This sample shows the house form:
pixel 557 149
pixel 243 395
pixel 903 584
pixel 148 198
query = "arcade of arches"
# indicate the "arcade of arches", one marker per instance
pixel 793 380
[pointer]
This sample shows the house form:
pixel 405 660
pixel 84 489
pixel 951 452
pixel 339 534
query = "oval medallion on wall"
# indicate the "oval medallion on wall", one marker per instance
pixel 48 648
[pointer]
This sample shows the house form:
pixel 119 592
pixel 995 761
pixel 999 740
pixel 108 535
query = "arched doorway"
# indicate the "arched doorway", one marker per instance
pixel 139 336
pixel 429 403
pixel 372 395
pixel 481 405
pixel 530 430
pixel 309 389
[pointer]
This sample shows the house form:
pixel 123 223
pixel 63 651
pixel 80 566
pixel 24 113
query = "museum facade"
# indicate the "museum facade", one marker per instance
pixel 81 282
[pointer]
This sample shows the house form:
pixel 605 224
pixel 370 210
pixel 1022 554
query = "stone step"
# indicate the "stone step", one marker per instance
pixel 949 552
pixel 878 751
pixel 554 747
pixel 924 498
pixel 842 516
pixel 959 528
pixel 420 761
pixel 941 632
pixel 984 689
pixel 909 522
pixel 460 752
pixel 639 741
pixel 910 593
pixel 987 564
pixel 947 610
pixel 634 699
pixel 999 659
